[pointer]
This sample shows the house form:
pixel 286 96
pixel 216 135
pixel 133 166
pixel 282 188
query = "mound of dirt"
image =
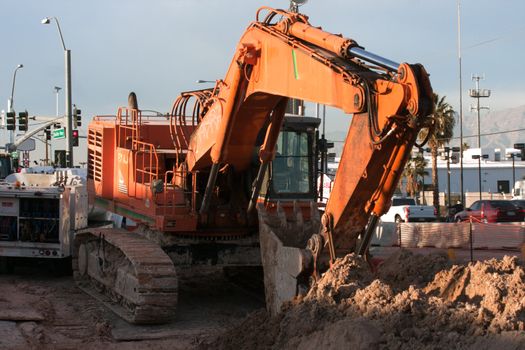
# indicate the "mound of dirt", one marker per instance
pixel 413 301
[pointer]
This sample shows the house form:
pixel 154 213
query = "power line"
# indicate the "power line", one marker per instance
pixel 504 35
pixel 492 133
pixel 470 136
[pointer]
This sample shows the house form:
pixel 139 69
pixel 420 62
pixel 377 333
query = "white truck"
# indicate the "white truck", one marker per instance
pixel 405 209
pixel 39 211
pixel 518 192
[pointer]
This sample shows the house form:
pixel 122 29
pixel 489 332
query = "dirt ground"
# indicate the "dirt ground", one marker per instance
pixel 412 301
pixel 39 310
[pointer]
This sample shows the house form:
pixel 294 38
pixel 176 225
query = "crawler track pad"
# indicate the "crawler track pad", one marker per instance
pixel 129 274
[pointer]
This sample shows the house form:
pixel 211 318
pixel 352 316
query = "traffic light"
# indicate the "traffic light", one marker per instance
pixel 23 121
pixel 47 132
pixel 75 138
pixel 11 120
pixel 77 118
pixel 521 147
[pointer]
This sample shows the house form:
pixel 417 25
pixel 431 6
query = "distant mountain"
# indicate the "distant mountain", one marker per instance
pixel 494 122
pixel 500 122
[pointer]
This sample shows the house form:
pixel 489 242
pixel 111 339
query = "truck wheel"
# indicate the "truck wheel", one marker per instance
pixel 398 219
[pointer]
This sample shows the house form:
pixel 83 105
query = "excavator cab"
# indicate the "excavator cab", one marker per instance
pixel 292 174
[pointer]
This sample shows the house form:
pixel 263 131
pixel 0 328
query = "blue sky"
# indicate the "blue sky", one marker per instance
pixel 159 48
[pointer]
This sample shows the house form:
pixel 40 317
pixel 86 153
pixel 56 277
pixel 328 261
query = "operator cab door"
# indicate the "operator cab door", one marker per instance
pixel 292 172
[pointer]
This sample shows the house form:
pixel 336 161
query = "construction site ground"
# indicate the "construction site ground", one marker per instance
pixel 39 310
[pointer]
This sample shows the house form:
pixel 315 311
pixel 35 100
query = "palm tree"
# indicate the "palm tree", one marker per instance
pixel 413 173
pixel 440 134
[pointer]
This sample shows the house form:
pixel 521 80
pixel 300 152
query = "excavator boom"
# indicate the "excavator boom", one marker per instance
pixel 290 58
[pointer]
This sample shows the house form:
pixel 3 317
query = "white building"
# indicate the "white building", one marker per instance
pixel 497 171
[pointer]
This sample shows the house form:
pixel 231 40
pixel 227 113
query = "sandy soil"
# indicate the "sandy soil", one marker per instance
pixel 412 302
pixel 41 311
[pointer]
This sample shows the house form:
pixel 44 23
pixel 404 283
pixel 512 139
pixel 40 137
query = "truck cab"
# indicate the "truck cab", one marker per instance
pixel 518 192
pixel 405 209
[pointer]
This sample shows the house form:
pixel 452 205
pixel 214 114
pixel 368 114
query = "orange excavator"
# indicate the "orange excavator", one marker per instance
pixel 228 177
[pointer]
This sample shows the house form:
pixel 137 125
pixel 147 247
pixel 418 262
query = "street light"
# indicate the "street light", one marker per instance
pixel 67 66
pixel 478 157
pixel 205 81
pixel 10 102
pixel 521 147
pixel 294 5
pixel 460 106
pixel 11 98
pixel 513 155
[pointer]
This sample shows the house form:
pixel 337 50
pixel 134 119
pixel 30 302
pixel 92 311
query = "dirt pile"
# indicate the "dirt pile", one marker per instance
pixel 413 301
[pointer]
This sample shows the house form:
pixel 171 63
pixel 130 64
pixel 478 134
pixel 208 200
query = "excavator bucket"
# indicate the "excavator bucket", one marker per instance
pixel 287 263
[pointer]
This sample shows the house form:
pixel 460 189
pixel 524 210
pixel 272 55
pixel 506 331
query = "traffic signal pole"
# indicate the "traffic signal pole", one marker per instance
pixel 69 114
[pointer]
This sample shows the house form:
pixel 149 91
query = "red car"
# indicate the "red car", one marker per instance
pixel 520 204
pixel 491 211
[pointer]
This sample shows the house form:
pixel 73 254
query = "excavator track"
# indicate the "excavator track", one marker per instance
pixel 129 274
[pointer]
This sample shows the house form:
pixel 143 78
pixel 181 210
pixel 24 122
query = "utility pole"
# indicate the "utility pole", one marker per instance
pixel 67 69
pixel 460 108
pixel 478 93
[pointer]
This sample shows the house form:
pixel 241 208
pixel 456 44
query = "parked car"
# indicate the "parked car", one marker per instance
pixel 520 204
pixel 491 211
pixel 406 210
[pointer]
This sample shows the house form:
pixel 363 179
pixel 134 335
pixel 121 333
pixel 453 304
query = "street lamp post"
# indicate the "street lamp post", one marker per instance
pixel 513 155
pixel 460 106
pixel 10 102
pixel 478 157
pixel 521 147
pixel 67 66
pixel 447 151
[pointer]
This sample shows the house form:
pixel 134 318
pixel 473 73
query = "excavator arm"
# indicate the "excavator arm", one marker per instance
pixel 289 58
